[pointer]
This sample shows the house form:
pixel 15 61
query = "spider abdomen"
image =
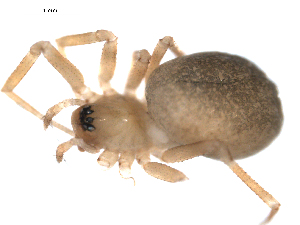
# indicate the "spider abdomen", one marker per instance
pixel 215 96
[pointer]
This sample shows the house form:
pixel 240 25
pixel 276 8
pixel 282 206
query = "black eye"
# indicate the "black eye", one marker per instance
pixel 86 107
pixel 90 128
pixel 89 119
pixel 86 121
pixel 85 126
pixel 89 111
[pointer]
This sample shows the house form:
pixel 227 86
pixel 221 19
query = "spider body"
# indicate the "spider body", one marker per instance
pixel 215 96
pixel 206 104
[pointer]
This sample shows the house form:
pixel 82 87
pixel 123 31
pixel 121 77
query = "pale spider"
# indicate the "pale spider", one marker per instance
pixel 207 104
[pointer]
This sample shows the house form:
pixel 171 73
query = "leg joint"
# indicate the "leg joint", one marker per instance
pixel 166 42
pixel 39 47
pixel 105 35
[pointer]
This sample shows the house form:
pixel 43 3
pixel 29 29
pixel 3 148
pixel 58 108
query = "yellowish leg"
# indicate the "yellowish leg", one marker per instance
pixel 159 170
pixel 185 152
pixel 162 46
pixel 125 162
pixel 32 110
pixel 64 147
pixel 54 110
pixel 108 158
pixel 108 58
pixel 164 172
pixel 218 150
pixel 71 74
pixel 257 189
pixel 138 70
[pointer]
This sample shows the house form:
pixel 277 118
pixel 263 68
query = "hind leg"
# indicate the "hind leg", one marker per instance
pixel 218 150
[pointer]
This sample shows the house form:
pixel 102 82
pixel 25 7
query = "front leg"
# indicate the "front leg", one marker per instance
pixel 68 71
pixel 54 110
pixel 64 147
pixel 108 57
pixel 217 149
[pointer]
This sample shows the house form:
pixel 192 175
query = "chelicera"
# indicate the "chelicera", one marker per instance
pixel 212 104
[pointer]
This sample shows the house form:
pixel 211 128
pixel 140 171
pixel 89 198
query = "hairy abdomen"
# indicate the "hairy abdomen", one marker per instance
pixel 215 96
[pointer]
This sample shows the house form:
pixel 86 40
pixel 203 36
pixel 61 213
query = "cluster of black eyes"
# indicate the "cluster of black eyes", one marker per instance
pixel 86 121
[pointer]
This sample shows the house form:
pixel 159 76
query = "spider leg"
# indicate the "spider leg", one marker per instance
pixel 164 172
pixel 54 110
pixel 159 170
pixel 125 162
pixel 108 158
pixel 140 61
pixel 220 151
pixel 160 50
pixel 69 72
pixel 64 147
pixel 108 58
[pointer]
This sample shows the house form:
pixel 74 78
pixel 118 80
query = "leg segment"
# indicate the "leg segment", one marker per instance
pixel 159 52
pixel 185 152
pixel 138 70
pixel 159 170
pixel 71 74
pixel 108 58
pixel 32 110
pixel 257 189
pixel 125 162
pixel 164 172
pixel 108 158
pixel 54 110
pixel 218 150
pixel 64 147
pixel 82 39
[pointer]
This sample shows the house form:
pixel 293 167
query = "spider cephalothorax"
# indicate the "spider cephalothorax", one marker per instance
pixel 118 122
pixel 206 104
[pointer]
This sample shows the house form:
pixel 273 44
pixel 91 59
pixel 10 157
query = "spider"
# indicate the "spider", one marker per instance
pixel 208 104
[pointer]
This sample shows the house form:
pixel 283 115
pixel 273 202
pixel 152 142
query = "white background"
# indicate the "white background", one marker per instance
pixel 35 189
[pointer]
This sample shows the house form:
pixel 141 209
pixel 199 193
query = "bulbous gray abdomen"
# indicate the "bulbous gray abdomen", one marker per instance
pixel 215 96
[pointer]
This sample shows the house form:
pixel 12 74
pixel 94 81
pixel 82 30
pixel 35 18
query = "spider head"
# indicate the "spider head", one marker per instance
pixel 114 122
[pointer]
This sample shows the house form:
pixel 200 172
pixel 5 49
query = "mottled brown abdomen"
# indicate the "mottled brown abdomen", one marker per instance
pixel 215 96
